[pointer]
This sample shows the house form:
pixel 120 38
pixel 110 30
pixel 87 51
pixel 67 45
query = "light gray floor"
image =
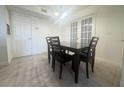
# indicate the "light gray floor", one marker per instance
pixel 34 71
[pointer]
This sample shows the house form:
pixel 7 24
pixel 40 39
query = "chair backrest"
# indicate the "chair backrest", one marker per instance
pixel 48 42
pixel 92 46
pixel 55 44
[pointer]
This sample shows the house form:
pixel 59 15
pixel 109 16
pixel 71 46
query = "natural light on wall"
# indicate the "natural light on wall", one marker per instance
pixel 56 14
pixel 61 17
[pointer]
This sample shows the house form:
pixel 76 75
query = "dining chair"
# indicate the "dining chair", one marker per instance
pixel 59 54
pixel 88 55
pixel 49 49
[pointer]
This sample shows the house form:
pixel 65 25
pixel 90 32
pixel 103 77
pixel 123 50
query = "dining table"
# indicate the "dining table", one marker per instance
pixel 76 48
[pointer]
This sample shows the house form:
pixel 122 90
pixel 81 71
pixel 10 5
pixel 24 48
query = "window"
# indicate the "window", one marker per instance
pixel 82 31
pixel 74 32
pixel 86 30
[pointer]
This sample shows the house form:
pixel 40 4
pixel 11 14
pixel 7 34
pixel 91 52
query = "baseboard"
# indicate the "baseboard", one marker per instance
pixel 4 63
pixel 28 55
pixel 10 60
pixel 99 59
pixel 39 53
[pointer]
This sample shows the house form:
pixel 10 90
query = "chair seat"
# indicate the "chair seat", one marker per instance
pixel 63 57
pixel 83 56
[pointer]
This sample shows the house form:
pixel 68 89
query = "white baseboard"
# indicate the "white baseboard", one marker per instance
pixel 4 63
pixel 10 60
pixel 28 55
pixel 99 59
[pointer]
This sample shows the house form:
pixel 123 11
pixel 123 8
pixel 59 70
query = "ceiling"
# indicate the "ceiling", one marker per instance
pixel 69 9
pixel 48 11
pixel 63 8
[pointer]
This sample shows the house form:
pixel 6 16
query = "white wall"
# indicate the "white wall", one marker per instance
pixel 44 27
pixel 122 65
pixel 3 31
pixel 9 40
pixel 122 73
pixel 109 26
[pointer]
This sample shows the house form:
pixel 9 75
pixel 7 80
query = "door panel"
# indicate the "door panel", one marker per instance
pixel 37 36
pixel 85 29
pixel 22 36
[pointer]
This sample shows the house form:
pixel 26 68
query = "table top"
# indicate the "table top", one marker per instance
pixel 75 45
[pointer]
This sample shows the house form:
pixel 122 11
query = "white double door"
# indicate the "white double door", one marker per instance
pixel 27 37
pixel 84 30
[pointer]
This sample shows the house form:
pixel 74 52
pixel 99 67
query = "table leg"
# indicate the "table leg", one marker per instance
pixel 77 60
pixel 48 56
pixel 73 68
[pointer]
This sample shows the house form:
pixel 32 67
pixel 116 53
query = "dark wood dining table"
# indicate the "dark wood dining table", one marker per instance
pixel 76 48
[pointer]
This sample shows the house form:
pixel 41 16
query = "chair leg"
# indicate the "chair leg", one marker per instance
pixel 92 65
pixel 48 57
pixel 53 64
pixel 60 74
pixel 87 72
pixel 52 61
pixel 64 64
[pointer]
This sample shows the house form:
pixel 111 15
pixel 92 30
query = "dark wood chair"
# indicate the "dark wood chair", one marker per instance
pixel 59 54
pixel 88 55
pixel 49 49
